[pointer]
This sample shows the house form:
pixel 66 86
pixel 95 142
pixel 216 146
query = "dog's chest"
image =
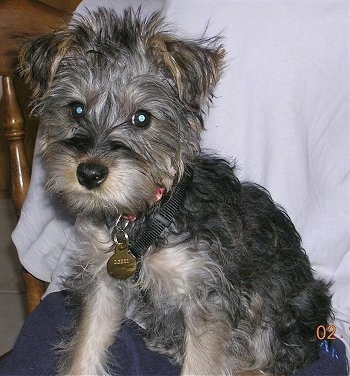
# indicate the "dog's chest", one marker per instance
pixel 172 273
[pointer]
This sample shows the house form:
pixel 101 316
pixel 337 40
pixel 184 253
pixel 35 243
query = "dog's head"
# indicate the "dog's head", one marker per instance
pixel 120 101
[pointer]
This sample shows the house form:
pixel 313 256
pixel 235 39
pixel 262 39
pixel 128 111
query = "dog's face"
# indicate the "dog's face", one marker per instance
pixel 120 102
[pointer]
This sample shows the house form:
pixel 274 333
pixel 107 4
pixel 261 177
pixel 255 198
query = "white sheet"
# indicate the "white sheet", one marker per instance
pixel 282 110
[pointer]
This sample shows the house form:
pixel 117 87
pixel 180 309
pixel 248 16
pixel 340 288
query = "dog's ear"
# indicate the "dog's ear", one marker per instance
pixel 39 59
pixel 194 66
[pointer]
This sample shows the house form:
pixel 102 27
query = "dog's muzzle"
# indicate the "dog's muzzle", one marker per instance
pixel 91 174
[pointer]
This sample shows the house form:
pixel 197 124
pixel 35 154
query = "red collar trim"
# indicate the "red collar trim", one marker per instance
pixel 158 195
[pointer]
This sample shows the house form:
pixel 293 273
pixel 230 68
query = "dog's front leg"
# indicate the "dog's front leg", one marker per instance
pixel 204 350
pixel 100 320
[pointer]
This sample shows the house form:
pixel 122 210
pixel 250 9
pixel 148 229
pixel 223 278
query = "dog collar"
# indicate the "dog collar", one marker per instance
pixel 164 217
pixel 123 263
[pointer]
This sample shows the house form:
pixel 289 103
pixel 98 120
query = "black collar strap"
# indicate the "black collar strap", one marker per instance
pixel 163 218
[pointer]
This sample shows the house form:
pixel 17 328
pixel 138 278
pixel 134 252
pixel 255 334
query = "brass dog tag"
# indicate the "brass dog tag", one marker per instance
pixel 122 264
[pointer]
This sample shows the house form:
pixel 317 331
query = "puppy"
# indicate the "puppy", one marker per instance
pixel 209 266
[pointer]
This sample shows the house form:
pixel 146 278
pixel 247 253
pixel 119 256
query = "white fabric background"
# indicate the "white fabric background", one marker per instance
pixel 281 109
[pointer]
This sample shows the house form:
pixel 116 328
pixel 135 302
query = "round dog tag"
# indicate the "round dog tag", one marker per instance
pixel 122 264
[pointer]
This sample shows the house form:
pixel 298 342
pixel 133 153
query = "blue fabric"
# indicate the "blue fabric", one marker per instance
pixel 33 353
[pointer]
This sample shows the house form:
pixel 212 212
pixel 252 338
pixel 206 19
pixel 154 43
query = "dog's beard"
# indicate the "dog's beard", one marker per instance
pixel 129 187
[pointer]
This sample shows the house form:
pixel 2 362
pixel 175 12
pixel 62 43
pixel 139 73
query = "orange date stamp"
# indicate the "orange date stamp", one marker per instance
pixel 326 332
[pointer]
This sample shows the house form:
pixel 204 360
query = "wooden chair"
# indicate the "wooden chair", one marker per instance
pixel 18 18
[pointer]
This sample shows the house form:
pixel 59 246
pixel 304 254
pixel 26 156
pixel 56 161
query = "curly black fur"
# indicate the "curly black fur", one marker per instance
pixel 259 250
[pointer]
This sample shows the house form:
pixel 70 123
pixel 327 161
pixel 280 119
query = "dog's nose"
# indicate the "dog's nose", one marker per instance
pixel 91 174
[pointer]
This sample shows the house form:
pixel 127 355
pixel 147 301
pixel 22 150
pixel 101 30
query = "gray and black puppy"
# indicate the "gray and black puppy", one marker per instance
pixel 210 267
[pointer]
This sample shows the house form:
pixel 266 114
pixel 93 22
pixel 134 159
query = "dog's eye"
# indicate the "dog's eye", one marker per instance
pixel 141 118
pixel 77 110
